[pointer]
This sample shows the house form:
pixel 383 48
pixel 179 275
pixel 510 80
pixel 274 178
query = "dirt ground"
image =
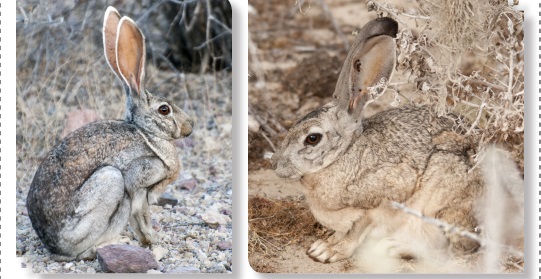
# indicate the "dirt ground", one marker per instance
pixel 294 61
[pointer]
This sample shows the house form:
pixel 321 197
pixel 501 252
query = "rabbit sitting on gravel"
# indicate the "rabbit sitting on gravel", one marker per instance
pixel 352 169
pixel 106 173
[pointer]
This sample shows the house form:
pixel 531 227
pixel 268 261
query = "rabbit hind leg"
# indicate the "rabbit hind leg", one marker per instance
pixel 451 188
pixel 101 214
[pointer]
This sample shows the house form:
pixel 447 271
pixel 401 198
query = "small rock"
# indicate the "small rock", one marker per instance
pixel 213 171
pixel 201 255
pixel 167 199
pixel 152 271
pixel 23 265
pixel 213 217
pixel 159 252
pixel 68 265
pixel 78 118
pixel 219 268
pixel 226 212
pixel 211 124
pixel 188 184
pixel 90 270
pixel 185 270
pixel 185 142
pixel 122 258
pixel 224 245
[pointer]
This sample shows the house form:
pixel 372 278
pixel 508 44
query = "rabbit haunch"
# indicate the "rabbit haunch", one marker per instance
pixel 353 168
pixel 106 174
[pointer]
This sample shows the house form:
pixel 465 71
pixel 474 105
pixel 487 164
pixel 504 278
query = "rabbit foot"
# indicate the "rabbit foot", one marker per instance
pixel 62 258
pixel 124 240
pixel 147 240
pixel 88 254
pixel 317 248
pixel 325 253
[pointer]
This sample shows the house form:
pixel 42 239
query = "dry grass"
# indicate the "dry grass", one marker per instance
pixel 274 224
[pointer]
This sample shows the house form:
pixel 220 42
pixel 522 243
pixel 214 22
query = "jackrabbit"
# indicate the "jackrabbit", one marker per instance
pixel 106 173
pixel 352 169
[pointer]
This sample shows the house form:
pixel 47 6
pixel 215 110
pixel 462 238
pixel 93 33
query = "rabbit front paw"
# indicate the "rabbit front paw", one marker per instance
pixel 147 239
pixel 325 252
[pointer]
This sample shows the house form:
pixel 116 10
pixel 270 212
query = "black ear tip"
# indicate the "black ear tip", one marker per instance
pixel 389 25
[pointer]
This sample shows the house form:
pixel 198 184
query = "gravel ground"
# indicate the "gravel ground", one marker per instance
pixel 195 234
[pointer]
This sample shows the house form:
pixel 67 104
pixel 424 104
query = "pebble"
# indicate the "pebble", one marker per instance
pixel 185 270
pixel 185 142
pixel 159 252
pixel 188 184
pixel 167 199
pixel 213 217
pixel 224 245
pixel 122 258
pixel 219 268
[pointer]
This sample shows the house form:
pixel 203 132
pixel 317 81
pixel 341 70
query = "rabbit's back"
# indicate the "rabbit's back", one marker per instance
pixel 52 198
pixel 401 134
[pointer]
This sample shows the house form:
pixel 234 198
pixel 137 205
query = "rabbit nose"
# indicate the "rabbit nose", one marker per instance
pixel 187 127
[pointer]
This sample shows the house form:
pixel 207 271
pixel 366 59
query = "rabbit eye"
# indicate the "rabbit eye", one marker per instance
pixel 164 110
pixel 313 139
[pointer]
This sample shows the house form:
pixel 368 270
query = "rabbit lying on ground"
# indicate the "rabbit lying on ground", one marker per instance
pixel 106 173
pixel 353 168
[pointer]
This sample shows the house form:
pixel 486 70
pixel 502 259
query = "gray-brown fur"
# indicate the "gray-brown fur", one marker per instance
pixel 359 166
pixel 107 173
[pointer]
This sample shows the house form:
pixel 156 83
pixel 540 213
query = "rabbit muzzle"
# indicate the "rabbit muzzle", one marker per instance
pixel 283 167
pixel 186 128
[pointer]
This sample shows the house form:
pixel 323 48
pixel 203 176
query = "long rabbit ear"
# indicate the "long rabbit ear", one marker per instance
pixel 110 27
pixel 371 58
pixel 130 54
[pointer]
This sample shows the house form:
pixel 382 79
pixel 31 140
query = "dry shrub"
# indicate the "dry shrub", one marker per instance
pixel 466 60
pixel 277 223
pixel 198 34
pixel 455 18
